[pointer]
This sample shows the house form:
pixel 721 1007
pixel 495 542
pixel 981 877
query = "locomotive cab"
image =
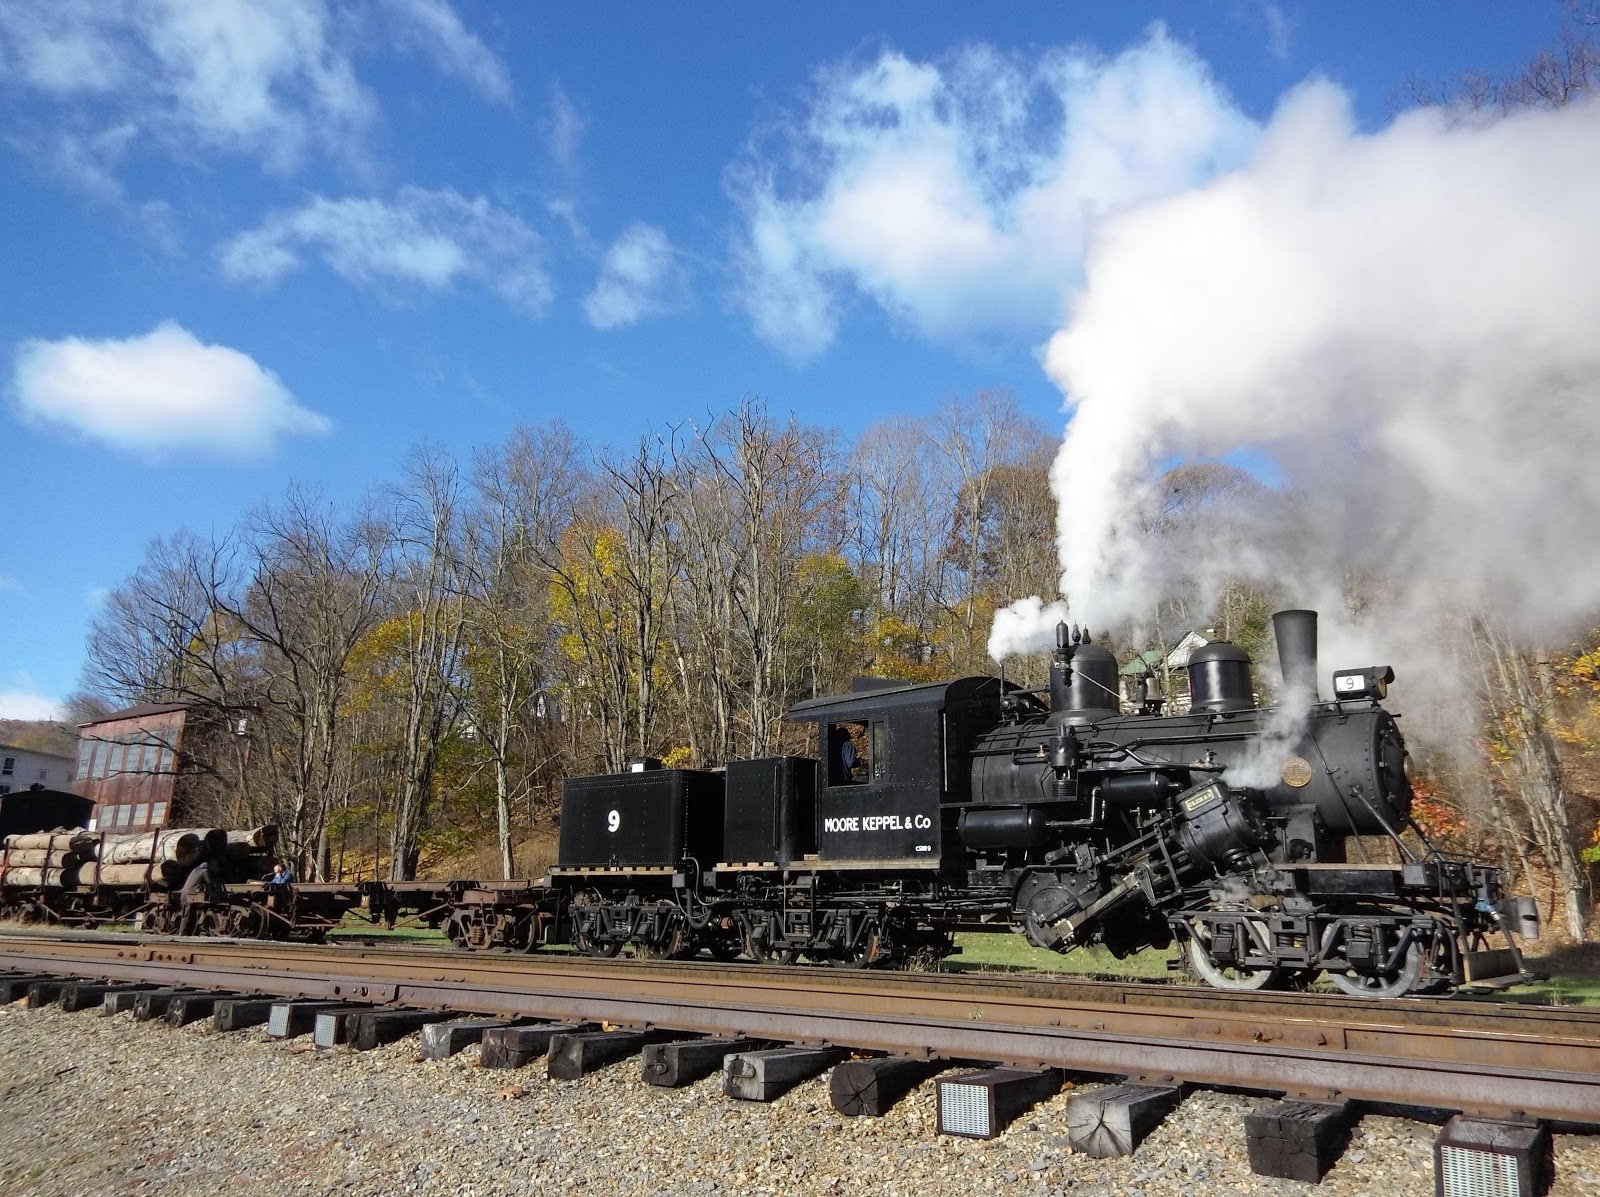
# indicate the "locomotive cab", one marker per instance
pixel 891 757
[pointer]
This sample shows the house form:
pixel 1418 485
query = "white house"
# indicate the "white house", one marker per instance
pixel 22 768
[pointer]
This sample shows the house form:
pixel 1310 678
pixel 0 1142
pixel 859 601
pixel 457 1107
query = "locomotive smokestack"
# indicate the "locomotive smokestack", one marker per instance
pixel 1296 632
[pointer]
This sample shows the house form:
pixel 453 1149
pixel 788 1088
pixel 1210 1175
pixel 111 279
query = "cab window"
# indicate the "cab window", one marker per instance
pixel 849 754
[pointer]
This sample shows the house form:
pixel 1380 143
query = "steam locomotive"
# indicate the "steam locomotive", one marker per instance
pixel 975 804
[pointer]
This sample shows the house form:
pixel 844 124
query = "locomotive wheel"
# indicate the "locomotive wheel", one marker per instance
pixel 600 949
pixel 1225 976
pixel 1385 985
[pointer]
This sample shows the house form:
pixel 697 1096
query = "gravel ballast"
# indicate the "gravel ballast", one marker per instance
pixel 98 1106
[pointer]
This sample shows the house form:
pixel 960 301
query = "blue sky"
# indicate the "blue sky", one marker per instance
pixel 246 243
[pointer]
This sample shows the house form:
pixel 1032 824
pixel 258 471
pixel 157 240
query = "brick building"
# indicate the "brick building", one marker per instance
pixel 130 764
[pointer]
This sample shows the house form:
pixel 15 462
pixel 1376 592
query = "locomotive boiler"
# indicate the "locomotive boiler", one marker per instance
pixel 1267 841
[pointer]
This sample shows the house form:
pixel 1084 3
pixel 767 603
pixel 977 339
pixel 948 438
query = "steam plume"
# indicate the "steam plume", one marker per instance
pixel 1403 324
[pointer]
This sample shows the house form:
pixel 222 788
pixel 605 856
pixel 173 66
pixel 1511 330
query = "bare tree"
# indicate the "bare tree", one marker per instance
pixel 525 497
pixel 430 587
pixel 305 587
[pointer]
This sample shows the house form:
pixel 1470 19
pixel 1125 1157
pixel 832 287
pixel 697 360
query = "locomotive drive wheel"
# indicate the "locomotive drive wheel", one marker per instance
pixel 1225 976
pixel 1385 985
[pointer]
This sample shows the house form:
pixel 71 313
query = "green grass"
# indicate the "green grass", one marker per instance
pixel 1574 979
pixel 1007 951
pixel 354 928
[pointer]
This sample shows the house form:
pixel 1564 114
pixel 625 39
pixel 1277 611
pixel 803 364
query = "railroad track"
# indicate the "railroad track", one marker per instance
pixel 1479 1058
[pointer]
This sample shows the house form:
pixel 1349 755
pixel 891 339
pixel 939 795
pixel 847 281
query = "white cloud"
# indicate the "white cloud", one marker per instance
pixel 432 26
pixel 563 127
pixel 271 79
pixel 959 195
pixel 165 390
pixel 640 276
pixel 7 582
pixel 22 704
pixel 421 238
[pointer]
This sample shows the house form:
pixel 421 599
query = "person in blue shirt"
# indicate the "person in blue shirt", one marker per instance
pixel 280 875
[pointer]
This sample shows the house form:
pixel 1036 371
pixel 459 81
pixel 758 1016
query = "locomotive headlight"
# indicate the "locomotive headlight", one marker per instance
pixel 1371 682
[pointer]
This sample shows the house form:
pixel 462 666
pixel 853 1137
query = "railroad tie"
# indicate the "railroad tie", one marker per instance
pixel 374 1028
pixel 1297 1140
pixel 674 1065
pixel 517 1047
pixel 868 1088
pixel 1111 1122
pixel 768 1075
pixel 46 993
pixel 576 1054
pixel 441 1040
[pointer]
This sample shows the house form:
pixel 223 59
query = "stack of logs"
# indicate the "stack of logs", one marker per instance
pixel 161 858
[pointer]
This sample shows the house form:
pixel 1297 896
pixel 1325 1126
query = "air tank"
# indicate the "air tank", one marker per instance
pixel 1219 678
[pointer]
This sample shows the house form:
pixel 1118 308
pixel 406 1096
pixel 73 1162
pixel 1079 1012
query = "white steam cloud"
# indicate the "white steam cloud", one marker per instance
pixel 1402 324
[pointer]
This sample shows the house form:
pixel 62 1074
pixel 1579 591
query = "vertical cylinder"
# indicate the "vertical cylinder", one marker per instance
pixel 1296 632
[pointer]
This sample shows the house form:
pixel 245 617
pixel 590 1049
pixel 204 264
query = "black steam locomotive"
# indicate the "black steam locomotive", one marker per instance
pixel 975 804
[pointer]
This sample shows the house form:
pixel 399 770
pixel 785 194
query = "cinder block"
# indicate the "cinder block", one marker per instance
pixel 441 1040
pixel 235 1014
pixel 332 1027
pixel 1112 1122
pixel 979 1105
pixel 1297 1140
pixel 673 1065
pixel 767 1075
pixel 868 1088
pixel 289 1020
pixel 374 1028
pixel 516 1047
pixel 1473 1156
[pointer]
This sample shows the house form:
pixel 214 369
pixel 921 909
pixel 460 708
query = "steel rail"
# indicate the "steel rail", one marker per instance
pixel 1479 1059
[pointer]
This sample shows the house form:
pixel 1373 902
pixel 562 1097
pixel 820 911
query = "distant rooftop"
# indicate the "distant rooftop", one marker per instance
pixel 138 712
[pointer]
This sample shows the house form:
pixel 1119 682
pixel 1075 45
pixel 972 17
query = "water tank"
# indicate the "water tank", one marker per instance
pixel 1219 678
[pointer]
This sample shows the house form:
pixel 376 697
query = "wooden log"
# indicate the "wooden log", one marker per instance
pixel 180 845
pixel 48 841
pixel 38 858
pixel 247 843
pixel 31 878
pixel 868 1088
